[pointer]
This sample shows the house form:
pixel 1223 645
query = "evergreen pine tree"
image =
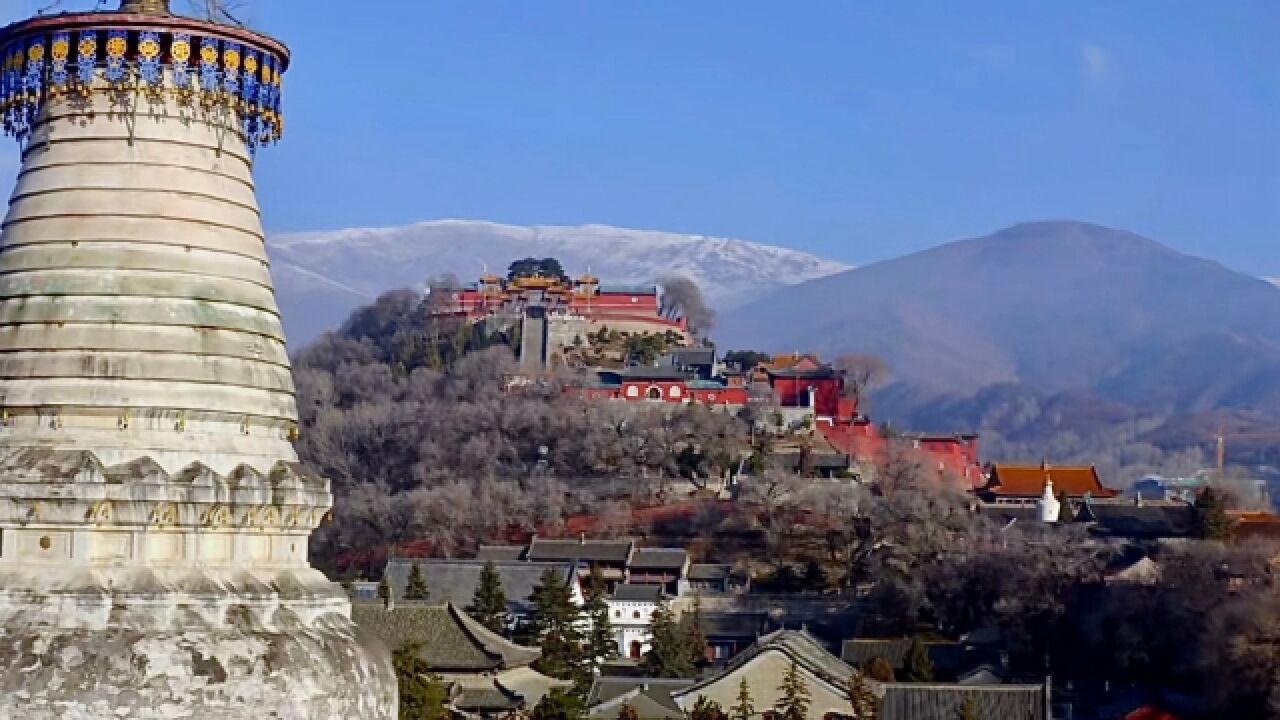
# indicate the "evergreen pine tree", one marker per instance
pixel 745 708
pixel 416 587
pixel 559 704
pixel 601 644
pixel 384 591
pixel 793 696
pixel 555 623
pixel 434 360
pixel 695 639
pixel 669 655
pixel 968 710
pixel 461 342
pixel 862 698
pixel 704 709
pixel 489 603
pixel 1211 515
pixel 919 666
pixel 1066 514
pixel 815 578
pixel 422 695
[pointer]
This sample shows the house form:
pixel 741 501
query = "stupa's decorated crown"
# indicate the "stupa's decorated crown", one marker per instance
pixel 148 7
pixel 142 48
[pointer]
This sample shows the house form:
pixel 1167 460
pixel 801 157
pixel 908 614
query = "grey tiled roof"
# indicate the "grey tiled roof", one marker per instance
pixel 649 703
pixel 455 581
pixel 487 699
pixel 799 646
pixel 818 460
pixel 606 688
pixel 501 552
pixel 820 373
pixel 932 701
pixel 690 356
pixel 1162 520
pixel 506 690
pixel 628 592
pixel 450 640
pixel 659 558
pixel 729 624
pixel 610 551
pixel 652 373
pixel 710 573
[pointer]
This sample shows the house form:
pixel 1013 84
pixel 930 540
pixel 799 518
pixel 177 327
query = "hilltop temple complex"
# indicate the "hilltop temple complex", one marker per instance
pixel 554 317
pixel 154 518
pixel 631 308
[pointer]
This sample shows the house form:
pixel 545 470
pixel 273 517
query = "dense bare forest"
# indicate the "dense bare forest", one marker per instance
pixel 454 457
pixel 1205 624
pixel 438 460
pixel 415 423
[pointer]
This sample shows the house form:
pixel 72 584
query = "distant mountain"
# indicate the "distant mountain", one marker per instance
pixel 321 277
pixel 1058 306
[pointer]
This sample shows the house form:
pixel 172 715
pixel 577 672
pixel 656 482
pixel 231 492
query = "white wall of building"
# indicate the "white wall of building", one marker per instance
pixel 632 626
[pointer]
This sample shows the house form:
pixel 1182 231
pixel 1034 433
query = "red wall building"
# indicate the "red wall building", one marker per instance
pixel 820 389
pixel 657 385
pixel 585 297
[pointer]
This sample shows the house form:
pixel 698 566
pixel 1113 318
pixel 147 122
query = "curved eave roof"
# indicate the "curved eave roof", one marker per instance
pixel 798 646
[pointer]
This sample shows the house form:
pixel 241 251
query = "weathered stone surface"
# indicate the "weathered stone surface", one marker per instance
pixel 321 671
pixel 154 519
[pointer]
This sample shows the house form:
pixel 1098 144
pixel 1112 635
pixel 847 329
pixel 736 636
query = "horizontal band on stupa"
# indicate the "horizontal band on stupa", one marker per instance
pixel 210 70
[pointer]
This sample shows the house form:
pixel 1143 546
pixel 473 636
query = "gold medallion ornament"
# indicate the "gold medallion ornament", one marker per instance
pixel 180 53
pixel 86 61
pixel 149 46
pixel 117 46
pixel 231 59
pixel 181 50
pixel 60 53
pixel 242 74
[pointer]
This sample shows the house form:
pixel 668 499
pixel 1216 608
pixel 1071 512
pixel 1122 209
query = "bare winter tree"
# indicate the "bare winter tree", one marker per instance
pixel 682 298
pixel 440 291
pixel 861 373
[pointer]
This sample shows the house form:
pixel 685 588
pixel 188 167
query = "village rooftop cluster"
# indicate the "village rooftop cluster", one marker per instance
pixel 757 642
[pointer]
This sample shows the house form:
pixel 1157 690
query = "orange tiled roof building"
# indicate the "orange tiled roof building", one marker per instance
pixel 1026 483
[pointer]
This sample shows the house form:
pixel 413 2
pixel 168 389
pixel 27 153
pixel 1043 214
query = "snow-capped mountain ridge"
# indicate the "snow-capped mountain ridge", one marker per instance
pixel 320 277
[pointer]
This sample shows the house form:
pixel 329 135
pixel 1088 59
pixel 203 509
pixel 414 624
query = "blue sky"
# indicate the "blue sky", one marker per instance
pixel 854 130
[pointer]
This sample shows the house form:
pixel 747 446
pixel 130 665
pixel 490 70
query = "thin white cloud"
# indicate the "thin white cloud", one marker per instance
pixel 1097 59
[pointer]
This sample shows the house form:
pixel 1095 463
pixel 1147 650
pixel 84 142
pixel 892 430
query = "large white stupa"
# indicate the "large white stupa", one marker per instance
pixel 154 519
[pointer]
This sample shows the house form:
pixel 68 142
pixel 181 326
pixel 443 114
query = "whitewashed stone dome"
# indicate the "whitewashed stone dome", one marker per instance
pixel 154 519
